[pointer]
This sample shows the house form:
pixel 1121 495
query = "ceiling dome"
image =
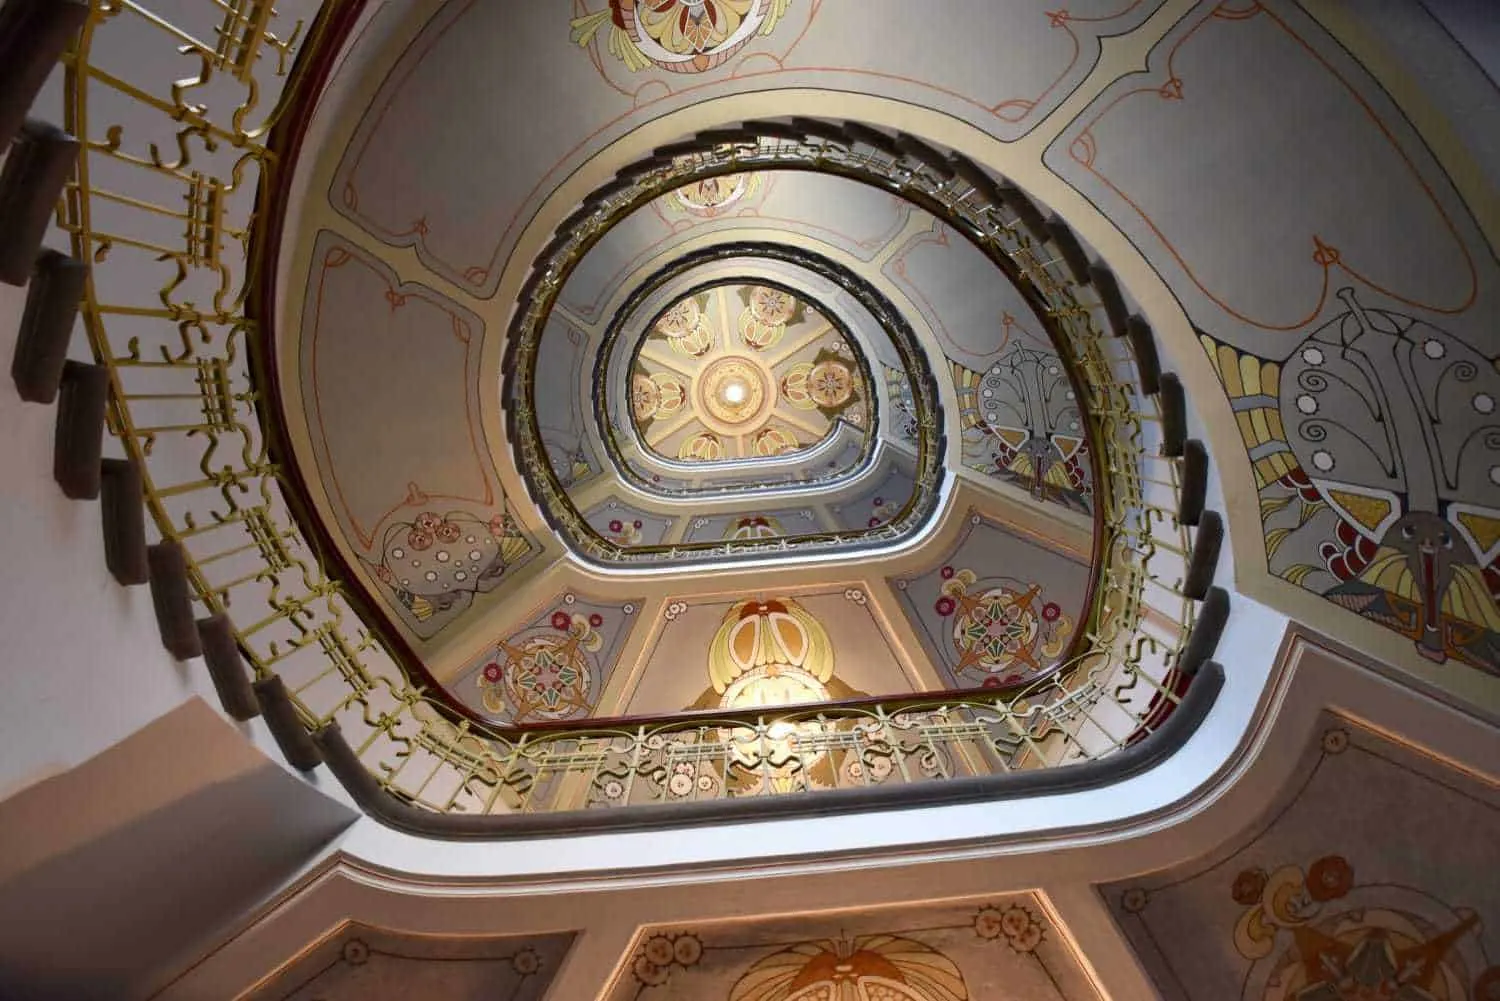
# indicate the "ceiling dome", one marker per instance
pixel 739 372
pixel 744 400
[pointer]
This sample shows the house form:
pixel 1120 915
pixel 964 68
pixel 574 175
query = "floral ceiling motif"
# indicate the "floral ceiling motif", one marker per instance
pixel 744 372
pixel 1349 892
pixel 363 962
pixel 997 947
pixel 555 667
pixel 999 610
pixel 680 36
pixel 1356 348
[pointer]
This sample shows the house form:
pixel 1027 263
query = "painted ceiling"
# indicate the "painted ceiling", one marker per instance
pixel 737 373
pixel 1350 887
pixel 1001 946
pixel 1343 360
pixel 376 964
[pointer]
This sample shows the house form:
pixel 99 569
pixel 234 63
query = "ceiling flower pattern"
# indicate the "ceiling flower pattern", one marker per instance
pixel 680 36
pixel 435 564
pixel 712 196
pixel 554 667
pixel 744 372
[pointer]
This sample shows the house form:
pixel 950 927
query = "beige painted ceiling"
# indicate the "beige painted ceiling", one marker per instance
pixel 1358 287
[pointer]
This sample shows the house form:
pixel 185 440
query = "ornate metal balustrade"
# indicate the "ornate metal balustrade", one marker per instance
pixel 186 128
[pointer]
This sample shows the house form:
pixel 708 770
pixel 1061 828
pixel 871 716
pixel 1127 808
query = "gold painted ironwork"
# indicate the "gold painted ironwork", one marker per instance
pixel 171 241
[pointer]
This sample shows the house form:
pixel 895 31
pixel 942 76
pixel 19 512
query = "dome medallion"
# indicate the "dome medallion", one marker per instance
pixel 737 373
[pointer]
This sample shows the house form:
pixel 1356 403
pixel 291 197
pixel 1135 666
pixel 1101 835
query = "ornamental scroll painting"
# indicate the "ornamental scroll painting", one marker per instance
pixel 1387 437
pixel 1316 934
pixel 435 564
pixel 986 627
pixel 1348 891
pixel 555 667
pixel 998 947
pixel 1021 424
pixel 1356 341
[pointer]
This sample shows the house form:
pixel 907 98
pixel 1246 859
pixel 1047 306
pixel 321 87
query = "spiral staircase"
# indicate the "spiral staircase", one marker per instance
pixel 151 254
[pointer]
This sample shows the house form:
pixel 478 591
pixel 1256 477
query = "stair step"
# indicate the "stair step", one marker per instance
pixel 1143 346
pixel 296 744
pixel 122 505
pixel 1173 403
pixel 1204 561
pixel 1070 249
pixel 41 160
pixel 79 441
pixel 33 34
pixel 1103 280
pixel 1194 488
pixel 52 300
pixel 171 594
pixel 231 678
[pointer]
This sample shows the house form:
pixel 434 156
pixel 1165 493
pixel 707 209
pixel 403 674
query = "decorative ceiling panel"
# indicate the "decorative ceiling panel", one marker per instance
pixel 859 220
pixel 741 372
pixel 709 653
pixel 1371 879
pixel 486 164
pixel 1353 332
pixel 363 963
pixel 999 947
pixel 999 610
pixel 556 666
pixel 430 525
pixel 952 284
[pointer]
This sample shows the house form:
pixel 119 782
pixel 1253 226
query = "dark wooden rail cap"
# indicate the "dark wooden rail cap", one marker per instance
pixel 1173 406
pixel 1194 486
pixel 52 298
pixel 291 736
pixel 1103 280
pixel 41 160
pixel 1071 250
pixel 221 655
pixel 1143 346
pixel 171 594
pixel 33 34
pixel 1169 732
pixel 1025 209
pixel 122 508
pixel 1204 560
pixel 1207 628
pixel 79 441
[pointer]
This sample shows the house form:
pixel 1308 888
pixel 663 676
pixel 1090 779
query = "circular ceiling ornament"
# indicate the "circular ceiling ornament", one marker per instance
pixel 710 197
pixel 772 374
pixel 679 36
pixel 735 392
